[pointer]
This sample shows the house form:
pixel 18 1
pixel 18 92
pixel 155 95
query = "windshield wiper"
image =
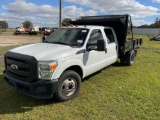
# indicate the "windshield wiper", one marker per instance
pixel 62 43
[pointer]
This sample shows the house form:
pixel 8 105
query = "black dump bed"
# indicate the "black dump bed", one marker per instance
pixel 120 24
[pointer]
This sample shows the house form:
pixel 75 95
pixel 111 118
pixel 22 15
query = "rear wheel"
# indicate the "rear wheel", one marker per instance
pixel 123 59
pixel 69 86
pixel 130 57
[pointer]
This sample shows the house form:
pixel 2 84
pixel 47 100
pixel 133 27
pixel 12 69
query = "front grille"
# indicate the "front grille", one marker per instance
pixel 23 71
pixel 22 67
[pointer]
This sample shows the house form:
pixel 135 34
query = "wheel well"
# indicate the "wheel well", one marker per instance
pixel 76 69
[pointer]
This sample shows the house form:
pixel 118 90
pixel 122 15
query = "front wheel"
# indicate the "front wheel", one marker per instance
pixel 69 86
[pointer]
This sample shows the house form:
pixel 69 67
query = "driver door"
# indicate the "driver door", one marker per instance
pixel 94 60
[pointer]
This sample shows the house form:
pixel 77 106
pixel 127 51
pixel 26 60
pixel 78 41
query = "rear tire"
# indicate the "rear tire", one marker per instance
pixel 130 57
pixel 123 59
pixel 69 86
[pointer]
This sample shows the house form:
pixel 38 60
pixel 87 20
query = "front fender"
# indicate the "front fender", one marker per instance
pixel 66 64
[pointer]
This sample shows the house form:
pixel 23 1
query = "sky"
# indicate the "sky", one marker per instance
pixel 45 13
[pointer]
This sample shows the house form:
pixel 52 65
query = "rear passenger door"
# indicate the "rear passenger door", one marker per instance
pixel 112 45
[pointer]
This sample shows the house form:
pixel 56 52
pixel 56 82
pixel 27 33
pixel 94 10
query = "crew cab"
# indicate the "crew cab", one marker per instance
pixel 56 66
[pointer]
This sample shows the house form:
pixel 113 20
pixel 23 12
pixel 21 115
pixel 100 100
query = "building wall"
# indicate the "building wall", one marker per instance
pixel 146 31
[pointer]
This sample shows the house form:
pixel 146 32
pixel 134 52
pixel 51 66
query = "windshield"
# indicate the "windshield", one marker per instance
pixel 68 36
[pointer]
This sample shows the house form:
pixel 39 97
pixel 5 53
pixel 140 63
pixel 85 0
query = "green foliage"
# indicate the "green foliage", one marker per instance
pixel 27 24
pixel 156 24
pixel 144 26
pixel 3 25
pixel 66 22
pixel 114 93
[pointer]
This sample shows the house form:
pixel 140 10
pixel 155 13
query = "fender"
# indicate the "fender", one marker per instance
pixel 64 65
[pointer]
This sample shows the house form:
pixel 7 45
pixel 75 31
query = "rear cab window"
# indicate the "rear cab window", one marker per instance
pixel 109 35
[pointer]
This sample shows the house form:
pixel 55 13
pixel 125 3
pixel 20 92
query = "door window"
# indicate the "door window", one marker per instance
pixel 95 35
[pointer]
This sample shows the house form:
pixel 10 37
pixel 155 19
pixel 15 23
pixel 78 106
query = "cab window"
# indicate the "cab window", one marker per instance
pixel 95 35
pixel 109 35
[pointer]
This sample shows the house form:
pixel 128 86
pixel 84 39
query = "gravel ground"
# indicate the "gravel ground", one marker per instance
pixel 8 39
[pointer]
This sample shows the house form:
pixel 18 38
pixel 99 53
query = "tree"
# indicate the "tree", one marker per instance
pixel 144 26
pixel 156 24
pixel 3 25
pixel 66 22
pixel 27 24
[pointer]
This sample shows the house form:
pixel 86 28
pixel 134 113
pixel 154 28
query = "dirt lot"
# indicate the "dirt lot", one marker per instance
pixel 8 39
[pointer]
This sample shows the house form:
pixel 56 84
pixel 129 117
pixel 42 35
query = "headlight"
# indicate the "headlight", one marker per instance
pixel 46 69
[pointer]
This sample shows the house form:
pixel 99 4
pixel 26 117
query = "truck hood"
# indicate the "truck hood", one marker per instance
pixel 46 51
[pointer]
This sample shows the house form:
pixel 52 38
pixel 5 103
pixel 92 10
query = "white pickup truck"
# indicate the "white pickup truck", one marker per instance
pixel 57 66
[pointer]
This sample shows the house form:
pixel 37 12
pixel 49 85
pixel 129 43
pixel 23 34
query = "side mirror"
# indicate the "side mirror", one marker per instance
pixel 91 46
pixel 101 45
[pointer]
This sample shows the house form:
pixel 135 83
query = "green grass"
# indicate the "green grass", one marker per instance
pixel 115 93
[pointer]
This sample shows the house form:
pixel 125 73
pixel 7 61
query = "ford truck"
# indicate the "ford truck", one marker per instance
pixel 57 66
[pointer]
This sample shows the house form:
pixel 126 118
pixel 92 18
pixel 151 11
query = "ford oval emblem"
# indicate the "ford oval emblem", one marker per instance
pixel 14 67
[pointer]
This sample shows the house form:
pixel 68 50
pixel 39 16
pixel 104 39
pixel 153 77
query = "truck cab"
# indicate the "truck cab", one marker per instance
pixel 57 66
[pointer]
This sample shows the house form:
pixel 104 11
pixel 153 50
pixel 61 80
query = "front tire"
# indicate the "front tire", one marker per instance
pixel 69 86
